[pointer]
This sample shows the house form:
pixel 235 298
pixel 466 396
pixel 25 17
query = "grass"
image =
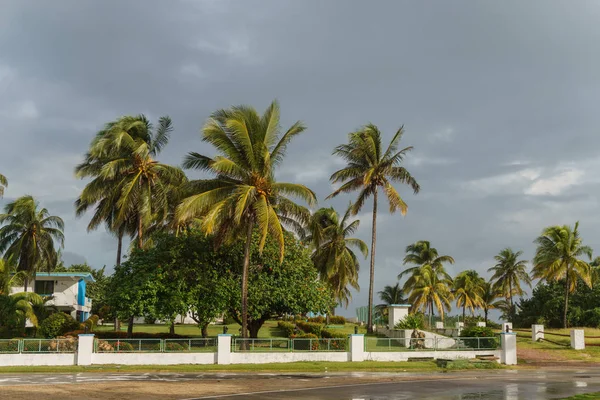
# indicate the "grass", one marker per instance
pixel 562 351
pixel 586 396
pixel 423 366
pixel 268 330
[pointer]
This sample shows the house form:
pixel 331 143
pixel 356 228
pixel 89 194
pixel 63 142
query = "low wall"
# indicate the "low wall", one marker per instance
pixel 447 355
pixel 154 358
pixel 32 359
pixel 286 357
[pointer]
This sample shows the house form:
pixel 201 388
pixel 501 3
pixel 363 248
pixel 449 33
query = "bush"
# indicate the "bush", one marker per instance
pixel 91 323
pixel 310 327
pixel 304 344
pixel 319 320
pixel 479 331
pixel 123 335
pixel 173 347
pixel 411 321
pixel 123 347
pixel 286 327
pixel 58 324
pixel 337 320
pixel 591 318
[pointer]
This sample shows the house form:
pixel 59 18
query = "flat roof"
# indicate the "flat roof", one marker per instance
pixel 83 275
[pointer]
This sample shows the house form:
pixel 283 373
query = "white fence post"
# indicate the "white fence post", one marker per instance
pixel 508 342
pixel 439 325
pixel 537 332
pixel 224 349
pixel 85 349
pixel 577 339
pixel 357 347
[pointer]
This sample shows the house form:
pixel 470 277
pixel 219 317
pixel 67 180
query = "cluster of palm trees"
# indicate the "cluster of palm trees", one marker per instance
pixel 133 194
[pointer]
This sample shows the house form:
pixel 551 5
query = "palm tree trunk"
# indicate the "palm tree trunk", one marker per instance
pixel 566 300
pixel 485 313
pixel 140 232
pixel 372 273
pixel 512 306
pixel 25 283
pixel 119 247
pixel 464 309
pixel 245 281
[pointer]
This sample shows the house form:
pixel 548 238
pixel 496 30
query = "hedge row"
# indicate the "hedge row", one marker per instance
pixel 310 327
pixel 333 320
pixel 123 335
pixel 286 327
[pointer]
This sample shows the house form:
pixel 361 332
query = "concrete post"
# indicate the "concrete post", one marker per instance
pixel 357 347
pixel 505 325
pixel 537 332
pixel 439 325
pixel 577 339
pixel 396 313
pixel 224 349
pixel 459 327
pixel 481 324
pixel 85 349
pixel 508 343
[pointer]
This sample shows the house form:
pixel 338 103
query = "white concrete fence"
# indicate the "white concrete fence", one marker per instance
pixel 91 351
pixel 576 336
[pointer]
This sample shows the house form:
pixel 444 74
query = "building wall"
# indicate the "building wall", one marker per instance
pixel 447 355
pixel 19 360
pixel 263 358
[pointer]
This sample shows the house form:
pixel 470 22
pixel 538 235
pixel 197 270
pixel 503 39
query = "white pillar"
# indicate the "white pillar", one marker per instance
pixel 224 349
pixel 439 325
pixel 357 347
pixel 481 324
pixel 577 339
pixel 537 332
pixel 460 326
pixel 396 313
pixel 508 343
pixel 85 349
pixel 505 325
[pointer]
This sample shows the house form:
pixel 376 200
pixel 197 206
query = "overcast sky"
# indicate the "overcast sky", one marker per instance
pixel 499 100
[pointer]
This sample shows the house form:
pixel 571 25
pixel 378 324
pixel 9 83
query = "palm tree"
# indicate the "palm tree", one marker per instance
pixel 595 265
pixel 489 299
pixel 420 254
pixel 431 290
pixel 468 291
pixel 509 272
pixel 389 295
pixel 127 182
pixel 370 169
pixel 333 254
pixel 28 236
pixel 244 195
pixel 558 257
pixel 3 184
pixel 16 308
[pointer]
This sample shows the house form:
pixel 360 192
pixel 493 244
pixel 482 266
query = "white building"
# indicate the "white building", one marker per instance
pixel 68 290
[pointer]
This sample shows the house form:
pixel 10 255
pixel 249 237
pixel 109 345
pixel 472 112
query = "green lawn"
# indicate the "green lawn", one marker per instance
pixel 268 330
pixel 278 367
pixel 587 396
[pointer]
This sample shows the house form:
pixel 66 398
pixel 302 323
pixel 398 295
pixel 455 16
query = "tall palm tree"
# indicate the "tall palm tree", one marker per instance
pixel 3 184
pixel 558 257
pixel 370 169
pixel 333 254
pixel 509 272
pixel 489 299
pixel 127 182
pixel 389 295
pixel 244 195
pixel 431 291
pixel 28 236
pixel 468 291
pixel 16 308
pixel 420 254
pixel 595 266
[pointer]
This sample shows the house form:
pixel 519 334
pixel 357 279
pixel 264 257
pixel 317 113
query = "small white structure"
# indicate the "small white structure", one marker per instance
pixel 509 348
pixel 439 325
pixel 224 349
pixel 396 313
pixel 537 332
pixel 481 324
pixel 357 347
pixel 460 325
pixel 577 339
pixel 507 327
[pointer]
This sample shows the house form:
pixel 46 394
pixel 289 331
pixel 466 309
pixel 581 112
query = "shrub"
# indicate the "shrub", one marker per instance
pixel 476 332
pixel 9 346
pixel 286 327
pixel 337 320
pixel 91 323
pixel 310 327
pixel 591 318
pixel 173 347
pixel 304 344
pixel 411 321
pixel 123 347
pixel 58 324
pixel 319 319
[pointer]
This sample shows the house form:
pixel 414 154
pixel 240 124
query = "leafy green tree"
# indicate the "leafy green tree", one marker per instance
pixel 420 254
pixel 333 254
pixel 595 266
pixel 370 169
pixel 489 299
pixel 279 288
pixel 558 257
pixel 509 272
pixel 3 184
pixel 128 184
pixel 468 291
pixel 15 309
pixel 431 290
pixel 244 194
pixel 28 236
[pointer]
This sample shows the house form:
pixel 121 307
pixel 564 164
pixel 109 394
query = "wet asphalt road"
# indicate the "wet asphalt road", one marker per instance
pixel 489 385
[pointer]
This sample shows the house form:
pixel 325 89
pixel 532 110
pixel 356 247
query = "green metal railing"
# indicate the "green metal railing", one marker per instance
pixel 128 345
pixel 10 346
pixel 431 344
pixel 48 345
pixel 261 345
pixel 200 345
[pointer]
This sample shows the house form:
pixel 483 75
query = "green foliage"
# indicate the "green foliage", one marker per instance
pixel 310 327
pixel 91 323
pixel 411 321
pixel 473 320
pixel 174 347
pixel 58 324
pixel 479 331
pixel 319 319
pixel 123 347
pixel 286 327
pixel 337 320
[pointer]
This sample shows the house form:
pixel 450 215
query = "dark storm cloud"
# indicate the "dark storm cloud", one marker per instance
pixel 498 99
